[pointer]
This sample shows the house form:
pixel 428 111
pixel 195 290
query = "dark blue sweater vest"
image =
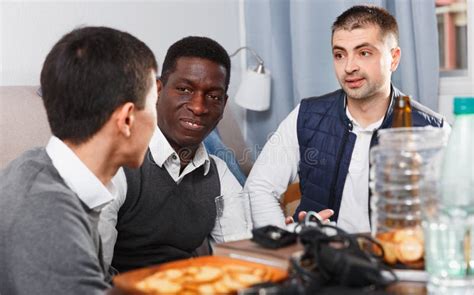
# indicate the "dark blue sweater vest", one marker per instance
pixel 326 144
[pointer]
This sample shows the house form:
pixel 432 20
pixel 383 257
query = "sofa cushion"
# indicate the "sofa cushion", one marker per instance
pixel 23 121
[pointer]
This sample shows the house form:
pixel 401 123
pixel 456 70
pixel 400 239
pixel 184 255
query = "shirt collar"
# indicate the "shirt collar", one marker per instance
pixel 372 127
pixel 77 176
pixel 162 152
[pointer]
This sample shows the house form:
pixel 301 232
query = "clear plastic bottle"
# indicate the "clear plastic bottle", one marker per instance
pixel 449 222
pixel 403 178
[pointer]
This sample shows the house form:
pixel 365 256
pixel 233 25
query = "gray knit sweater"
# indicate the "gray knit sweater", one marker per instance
pixel 49 242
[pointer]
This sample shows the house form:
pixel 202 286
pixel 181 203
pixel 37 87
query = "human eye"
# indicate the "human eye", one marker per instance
pixel 216 97
pixel 365 53
pixel 338 55
pixel 183 89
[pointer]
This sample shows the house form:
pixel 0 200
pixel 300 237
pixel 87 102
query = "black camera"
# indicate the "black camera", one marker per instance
pixel 273 237
pixel 338 259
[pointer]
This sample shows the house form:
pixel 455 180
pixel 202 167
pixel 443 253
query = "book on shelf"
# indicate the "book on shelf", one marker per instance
pixel 251 251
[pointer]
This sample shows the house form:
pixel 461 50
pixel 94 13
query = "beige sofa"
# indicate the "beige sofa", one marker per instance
pixel 23 122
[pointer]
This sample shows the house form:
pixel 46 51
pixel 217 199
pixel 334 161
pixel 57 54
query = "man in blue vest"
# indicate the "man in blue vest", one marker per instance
pixel 325 141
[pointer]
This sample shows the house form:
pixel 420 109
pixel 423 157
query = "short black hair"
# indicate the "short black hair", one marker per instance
pixel 194 46
pixel 361 15
pixel 90 72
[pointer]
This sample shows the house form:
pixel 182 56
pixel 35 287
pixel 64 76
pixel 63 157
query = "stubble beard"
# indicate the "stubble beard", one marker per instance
pixel 357 94
pixel 367 91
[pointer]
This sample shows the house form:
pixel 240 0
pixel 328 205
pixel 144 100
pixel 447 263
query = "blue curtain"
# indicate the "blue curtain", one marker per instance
pixel 294 40
pixel 216 147
pixel 418 73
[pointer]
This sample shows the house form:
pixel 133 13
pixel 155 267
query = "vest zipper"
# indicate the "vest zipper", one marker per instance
pixel 332 195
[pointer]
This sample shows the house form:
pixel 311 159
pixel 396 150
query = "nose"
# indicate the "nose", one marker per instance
pixel 351 65
pixel 198 104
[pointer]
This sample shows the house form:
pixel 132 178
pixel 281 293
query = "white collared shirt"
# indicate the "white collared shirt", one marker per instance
pixel 354 210
pixel 277 167
pixel 165 156
pixel 90 190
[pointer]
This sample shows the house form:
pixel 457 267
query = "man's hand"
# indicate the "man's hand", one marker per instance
pixel 325 214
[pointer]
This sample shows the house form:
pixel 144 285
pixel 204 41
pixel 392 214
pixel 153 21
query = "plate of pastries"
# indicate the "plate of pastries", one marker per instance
pixel 201 275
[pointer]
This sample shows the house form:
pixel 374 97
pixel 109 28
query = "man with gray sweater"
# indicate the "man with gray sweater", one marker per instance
pixel 99 91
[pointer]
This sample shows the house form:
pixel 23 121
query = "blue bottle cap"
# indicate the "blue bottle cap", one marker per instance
pixel 463 105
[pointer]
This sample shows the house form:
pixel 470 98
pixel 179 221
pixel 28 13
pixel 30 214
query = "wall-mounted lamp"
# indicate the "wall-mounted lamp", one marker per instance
pixel 254 89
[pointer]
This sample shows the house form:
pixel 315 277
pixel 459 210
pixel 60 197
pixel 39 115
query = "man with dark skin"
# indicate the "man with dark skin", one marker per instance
pixel 191 103
pixel 166 209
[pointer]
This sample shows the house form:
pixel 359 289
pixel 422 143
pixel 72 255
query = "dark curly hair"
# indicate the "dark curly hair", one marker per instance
pixel 194 46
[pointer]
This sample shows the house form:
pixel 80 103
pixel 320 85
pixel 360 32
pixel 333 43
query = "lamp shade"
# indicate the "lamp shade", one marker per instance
pixel 254 91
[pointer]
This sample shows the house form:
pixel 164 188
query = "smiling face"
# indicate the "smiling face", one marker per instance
pixel 364 61
pixel 192 102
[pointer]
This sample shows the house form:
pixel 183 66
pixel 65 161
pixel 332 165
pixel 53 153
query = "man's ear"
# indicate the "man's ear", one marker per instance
pixel 125 118
pixel 396 54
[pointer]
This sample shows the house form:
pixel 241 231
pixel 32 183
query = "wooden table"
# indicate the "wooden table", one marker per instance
pixel 402 288
pixel 249 250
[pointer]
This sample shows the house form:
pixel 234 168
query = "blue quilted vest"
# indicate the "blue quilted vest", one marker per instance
pixel 326 144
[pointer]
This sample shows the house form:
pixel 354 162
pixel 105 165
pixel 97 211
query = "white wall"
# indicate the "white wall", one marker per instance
pixel 29 29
